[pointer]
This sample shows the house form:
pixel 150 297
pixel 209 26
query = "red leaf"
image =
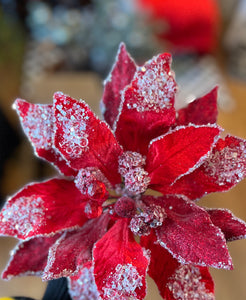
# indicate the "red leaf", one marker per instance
pixel 147 105
pixel 174 280
pixel 189 235
pixel 43 208
pixel 201 111
pixel 83 139
pixel 232 227
pixel 222 170
pixel 120 76
pixel 190 282
pixel 160 272
pixel 82 285
pixel 120 264
pixel 38 124
pixel 74 248
pixel 29 257
pixel 179 152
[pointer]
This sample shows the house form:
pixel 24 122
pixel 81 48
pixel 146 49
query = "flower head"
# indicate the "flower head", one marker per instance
pixel 82 226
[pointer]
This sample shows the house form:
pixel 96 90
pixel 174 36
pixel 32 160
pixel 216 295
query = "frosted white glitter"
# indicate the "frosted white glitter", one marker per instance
pixel 85 287
pixel 186 284
pixel 38 125
pixel 156 88
pixel 25 214
pixel 73 120
pixel 122 283
pixel 227 165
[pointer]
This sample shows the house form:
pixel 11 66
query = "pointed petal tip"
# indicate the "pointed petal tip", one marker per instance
pixel 122 46
pixel 224 265
pixel 16 103
pixel 20 105
pixel 4 276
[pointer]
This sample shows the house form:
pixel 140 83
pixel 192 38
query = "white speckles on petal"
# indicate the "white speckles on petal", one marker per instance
pixel 227 165
pixel 75 138
pixel 186 284
pixel 122 283
pixel 38 125
pixel 156 87
pixel 84 287
pixel 24 215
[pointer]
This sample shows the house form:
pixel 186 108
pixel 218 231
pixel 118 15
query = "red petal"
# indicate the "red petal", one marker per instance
pixel 83 139
pixel 148 105
pixel 179 152
pixel 29 257
pixel 82 285
pixel 43 208
pixel 201 111
pixel 160 272
pixel 189 235
pixel 232 227
pixel 222 170
pixel 38 124
pixel 74 248
pixel 120 76
pixel 191 282
pixel 120 264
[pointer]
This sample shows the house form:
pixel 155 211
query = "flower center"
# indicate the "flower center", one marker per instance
pixel 136 179
pixel 93 184
pixel 149 217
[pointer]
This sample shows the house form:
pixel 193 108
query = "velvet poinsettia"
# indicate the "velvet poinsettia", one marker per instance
pixel 83 225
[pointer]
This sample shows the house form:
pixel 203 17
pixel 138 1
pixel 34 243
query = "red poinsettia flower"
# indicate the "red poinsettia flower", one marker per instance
pixel 83 225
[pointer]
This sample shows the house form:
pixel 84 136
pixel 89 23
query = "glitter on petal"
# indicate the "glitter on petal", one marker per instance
pixel 147 107
pixel 223 169
pixel 122 283
pixel 186 284
pixel 43 208
pixel 82 286
pixel 120 76
pixel 38 124
pixel 83 139
pixel 117 254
